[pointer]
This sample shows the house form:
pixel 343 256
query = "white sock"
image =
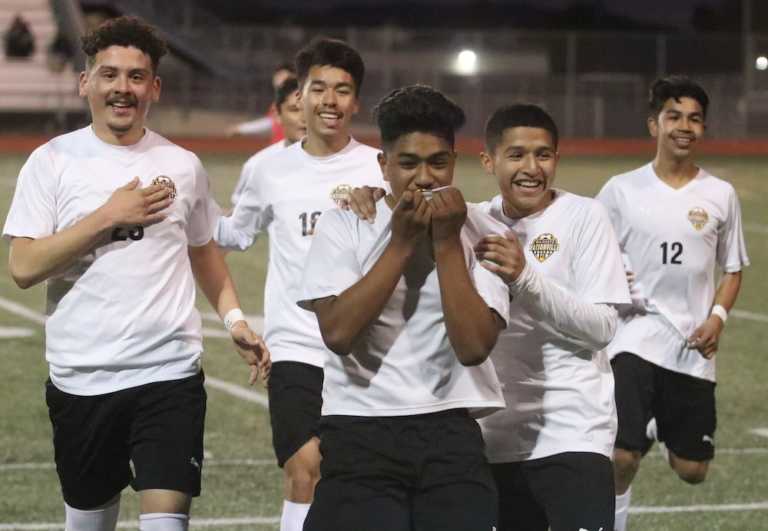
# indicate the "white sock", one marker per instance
pixel 163 522
pixel 622 510
pixel 293 516
pixel 93 520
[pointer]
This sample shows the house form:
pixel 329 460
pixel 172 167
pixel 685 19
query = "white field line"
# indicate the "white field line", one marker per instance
pixel 237 391
pixel 128 524
pixel 21 310
pixel 7 332
pixel 212 462
pixel 750 316
pixel 762 432
pixel 724 507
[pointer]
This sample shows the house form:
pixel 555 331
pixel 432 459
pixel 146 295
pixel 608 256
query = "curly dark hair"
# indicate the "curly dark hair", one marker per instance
pixel 417 108
pixel 125 31
pixel 675 86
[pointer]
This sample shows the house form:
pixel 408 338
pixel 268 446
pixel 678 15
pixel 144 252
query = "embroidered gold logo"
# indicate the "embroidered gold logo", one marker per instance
pixel 544 246
pixel 698 217
pixel 341 193
pixel 167 183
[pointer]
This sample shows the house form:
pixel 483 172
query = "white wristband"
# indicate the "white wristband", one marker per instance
pixel 234 315
pixel 721 312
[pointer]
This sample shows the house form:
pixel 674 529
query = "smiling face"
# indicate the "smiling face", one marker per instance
pixel 329 100
pixel 120 86
pixel 524 162
pixel 677 128
pixel 417 161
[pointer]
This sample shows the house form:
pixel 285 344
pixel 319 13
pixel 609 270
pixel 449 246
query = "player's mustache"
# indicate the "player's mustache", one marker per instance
pixel 122 99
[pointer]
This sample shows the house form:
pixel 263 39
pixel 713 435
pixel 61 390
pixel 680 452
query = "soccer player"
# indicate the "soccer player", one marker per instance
pixel 291 116
pixel 550 448
pixel 270 122
pixel 114 218
pixel 675 223
pixel 411 318
pixel 285 195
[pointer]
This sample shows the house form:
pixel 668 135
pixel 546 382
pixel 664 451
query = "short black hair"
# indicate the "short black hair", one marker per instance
pixel 323 51
pixel 286 88
pixel 417 108
pixel 675 86
pixel 125 31
pixel 517 115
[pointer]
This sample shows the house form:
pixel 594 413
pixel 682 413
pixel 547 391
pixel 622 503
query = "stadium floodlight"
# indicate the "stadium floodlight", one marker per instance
pixel 761 63
pixel 466 63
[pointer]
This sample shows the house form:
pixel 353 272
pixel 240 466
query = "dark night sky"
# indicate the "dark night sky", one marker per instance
pixel 672 12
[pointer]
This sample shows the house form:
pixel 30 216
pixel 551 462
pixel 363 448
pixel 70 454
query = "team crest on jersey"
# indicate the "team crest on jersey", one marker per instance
pixel 341 193
pixel 698 217
pixel 544 246
pixel 167 183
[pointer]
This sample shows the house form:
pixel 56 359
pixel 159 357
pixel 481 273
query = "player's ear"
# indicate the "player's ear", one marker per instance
pixel 653 126
pixel 382 158
pixel 487 161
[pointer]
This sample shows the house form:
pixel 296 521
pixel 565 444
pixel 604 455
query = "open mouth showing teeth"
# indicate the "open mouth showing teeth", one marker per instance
pixel 527 184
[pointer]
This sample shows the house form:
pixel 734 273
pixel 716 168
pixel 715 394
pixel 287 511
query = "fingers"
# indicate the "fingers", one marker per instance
pixel 379 193
pixel 362 201
pixel 132 184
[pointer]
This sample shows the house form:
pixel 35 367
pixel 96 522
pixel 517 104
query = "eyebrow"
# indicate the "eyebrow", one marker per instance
pixel 407 155
pixel 340 84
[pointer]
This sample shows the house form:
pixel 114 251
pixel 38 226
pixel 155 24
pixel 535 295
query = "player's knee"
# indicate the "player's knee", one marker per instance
pixel 692 473
pixel 625 463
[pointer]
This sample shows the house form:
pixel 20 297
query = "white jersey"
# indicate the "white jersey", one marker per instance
pixel 124 314
pixel 285 195
pixel 405 364
pixel 559 394
pixel 247 170
pixel 673 238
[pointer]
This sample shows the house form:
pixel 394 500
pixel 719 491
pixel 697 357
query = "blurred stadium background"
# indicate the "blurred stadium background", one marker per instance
pixel 588 62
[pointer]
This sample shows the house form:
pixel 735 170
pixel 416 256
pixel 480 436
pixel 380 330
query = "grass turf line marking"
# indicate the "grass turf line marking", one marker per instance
pixel 128 524
pixel 8 332
pixel 237 391
pixel 22 311
pixel 251 520
pixel 725 507
pixel 762 432
pixel 755 227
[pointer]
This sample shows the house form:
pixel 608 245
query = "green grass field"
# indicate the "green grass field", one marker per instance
pixel 241 483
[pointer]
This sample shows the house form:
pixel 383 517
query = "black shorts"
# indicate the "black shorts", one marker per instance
pixel 562 492
pixel 419 472
pixel 295 400
pixel 158 427
pixel 684 408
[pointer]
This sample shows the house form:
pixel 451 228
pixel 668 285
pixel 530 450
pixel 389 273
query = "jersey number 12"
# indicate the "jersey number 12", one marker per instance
pixel 670 253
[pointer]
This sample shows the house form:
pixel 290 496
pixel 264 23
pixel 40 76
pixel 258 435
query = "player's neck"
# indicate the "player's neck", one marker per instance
pixel 675 172
pixel 320 146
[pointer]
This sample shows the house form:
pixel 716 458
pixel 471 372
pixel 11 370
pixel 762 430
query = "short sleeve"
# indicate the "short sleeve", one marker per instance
pixel 252 213
pixel 607 197
pixel 491 289
pixel 204 209
pixel 731 247
pixel 33 209
pixel 332 264
pixel 598 270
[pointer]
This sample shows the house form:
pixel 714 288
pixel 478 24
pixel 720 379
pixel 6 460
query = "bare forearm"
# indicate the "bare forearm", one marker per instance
pixel 728 290
pixel 471 325
pixel 212 275
pixel 34 260
pixel 343 318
